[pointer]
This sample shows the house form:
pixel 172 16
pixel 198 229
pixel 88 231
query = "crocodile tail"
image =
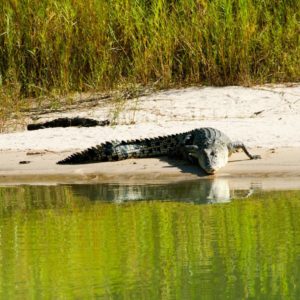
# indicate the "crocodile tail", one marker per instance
pixel 100 153
pixel 112 151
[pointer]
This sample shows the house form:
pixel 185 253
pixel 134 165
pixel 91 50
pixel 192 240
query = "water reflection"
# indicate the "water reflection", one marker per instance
pixel 64 243
pixel 201 192
pixel 25 198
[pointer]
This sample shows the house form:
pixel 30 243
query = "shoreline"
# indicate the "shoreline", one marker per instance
pixel 278 169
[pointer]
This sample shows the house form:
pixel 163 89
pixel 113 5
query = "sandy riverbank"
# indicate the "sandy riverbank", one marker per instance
pixel 266 118
pixel 279 168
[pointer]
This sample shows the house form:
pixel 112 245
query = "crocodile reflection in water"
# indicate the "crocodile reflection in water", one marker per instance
pixel 203 191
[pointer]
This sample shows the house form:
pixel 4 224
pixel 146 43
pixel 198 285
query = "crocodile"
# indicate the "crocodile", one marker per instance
pixel 68 122
pixel 207 147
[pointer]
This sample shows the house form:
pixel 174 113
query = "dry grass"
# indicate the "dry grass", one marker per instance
pixel 51 46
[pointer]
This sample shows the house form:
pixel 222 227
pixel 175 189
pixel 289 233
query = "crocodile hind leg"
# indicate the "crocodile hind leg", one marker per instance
pixel 239 145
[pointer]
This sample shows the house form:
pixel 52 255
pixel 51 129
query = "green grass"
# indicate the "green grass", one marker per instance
pixel 78 45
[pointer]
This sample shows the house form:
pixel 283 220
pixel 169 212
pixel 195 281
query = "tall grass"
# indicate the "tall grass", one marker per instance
pixel 62 46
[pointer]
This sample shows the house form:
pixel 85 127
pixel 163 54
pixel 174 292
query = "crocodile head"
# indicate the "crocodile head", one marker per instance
pixel 212 157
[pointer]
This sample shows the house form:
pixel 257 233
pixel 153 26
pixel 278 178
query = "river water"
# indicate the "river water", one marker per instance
pixel 196 240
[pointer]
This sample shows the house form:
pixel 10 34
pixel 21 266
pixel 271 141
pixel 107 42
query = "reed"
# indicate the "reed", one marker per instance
pixel 78 45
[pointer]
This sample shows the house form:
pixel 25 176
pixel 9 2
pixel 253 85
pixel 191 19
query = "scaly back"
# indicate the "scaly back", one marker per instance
pixel 116 150
pixel 203 137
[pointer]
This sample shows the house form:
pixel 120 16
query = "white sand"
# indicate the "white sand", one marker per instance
pixel 266 116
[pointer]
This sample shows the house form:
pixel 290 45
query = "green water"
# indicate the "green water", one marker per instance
pixel 98 241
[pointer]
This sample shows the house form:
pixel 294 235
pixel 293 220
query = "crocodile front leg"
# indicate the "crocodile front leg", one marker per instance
pixel 240 145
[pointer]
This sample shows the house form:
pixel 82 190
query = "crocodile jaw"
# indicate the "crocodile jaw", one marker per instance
pixel 213 158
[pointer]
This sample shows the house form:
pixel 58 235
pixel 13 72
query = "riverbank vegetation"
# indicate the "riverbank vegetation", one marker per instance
pixel 51 46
